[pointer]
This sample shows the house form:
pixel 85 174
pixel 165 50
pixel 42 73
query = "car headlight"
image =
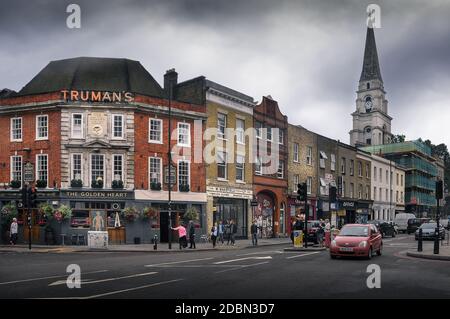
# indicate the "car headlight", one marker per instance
pixel 363 244
pixel 333 243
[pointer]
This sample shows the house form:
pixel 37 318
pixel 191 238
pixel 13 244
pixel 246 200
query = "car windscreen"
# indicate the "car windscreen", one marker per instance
pixel 428 225
pixel 355 231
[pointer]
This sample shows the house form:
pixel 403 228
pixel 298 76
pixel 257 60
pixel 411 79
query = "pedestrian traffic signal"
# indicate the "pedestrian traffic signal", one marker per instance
pixel 439 190
pixel 302 192
pixel 333 194
pixel 33 198
pixel 24 197
pixel 29 197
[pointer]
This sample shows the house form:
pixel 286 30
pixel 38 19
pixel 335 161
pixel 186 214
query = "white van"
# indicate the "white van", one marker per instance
pixel 401 220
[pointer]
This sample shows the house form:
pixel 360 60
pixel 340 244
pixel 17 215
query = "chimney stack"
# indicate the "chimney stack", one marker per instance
pixel 170 79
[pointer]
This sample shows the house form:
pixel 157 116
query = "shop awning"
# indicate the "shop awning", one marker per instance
pixel 176 196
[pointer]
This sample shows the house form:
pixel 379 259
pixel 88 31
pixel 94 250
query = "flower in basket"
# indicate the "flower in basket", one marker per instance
pixel 63 212
pixel 58 216
pixel 130 213
pixel 150 213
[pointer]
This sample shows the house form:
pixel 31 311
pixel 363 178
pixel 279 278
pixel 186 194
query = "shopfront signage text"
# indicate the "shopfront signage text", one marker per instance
pixel 230 192
pixel 98 195
pixel 97 96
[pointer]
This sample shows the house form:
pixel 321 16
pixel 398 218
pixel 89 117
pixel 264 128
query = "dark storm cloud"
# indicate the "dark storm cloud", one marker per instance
pixel 306 54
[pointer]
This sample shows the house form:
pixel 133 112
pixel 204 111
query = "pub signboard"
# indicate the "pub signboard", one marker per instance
pixel 28 172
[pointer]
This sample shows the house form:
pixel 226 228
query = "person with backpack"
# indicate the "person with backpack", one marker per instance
pixel 214 232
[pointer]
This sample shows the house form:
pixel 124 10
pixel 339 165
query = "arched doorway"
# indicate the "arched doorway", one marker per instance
pixel 265 213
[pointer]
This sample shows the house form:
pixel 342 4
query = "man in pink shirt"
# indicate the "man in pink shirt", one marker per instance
pixel 181 235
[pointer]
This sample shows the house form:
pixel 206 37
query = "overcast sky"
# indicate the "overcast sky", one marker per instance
pixel 306 54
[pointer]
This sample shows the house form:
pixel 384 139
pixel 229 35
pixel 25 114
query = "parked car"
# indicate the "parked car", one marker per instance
pixel 401 220
pixel 361 240
pixel 385 228
pixel 429 231
pixel 415 223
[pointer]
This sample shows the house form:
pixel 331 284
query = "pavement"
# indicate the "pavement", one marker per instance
pixel 428 252
pixel 264 272
pixel 162 247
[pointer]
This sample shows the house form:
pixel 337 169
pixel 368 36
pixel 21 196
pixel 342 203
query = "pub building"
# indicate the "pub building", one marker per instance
pixel 92 134
pixel 270 187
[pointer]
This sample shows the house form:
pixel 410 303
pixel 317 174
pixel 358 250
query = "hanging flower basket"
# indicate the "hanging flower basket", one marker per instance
pixel 150 213
pixel 130 213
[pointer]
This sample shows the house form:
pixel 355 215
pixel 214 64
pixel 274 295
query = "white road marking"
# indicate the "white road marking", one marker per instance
pixel 117 291
pixel 239 267
pixel 90 281
pixel 49 277
pixel 178 262
pixel 307 254
pixel 239 259
pixel 262 253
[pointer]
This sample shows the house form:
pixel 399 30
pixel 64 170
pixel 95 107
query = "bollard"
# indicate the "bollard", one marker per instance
pixel 419 244
pixel 436 241
pixel 155 242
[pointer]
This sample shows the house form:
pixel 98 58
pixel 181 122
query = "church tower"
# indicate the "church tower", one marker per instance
pixel 371 122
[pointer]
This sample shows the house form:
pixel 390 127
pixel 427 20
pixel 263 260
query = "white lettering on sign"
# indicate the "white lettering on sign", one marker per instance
pixel 73 21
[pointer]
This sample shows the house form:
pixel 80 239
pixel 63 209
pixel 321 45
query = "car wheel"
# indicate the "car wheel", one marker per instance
pixel 332 256
pixel 379 252
pixel 393 234
pixel 370 253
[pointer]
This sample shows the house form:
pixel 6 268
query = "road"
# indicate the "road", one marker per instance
pixel 264 272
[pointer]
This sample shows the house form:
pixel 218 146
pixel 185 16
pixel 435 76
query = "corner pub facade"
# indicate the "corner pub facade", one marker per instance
pixel 92 134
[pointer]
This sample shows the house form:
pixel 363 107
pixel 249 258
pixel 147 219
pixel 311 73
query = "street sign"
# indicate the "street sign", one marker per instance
pixel 28 172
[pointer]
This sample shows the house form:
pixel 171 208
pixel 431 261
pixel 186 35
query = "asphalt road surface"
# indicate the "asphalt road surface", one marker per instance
pixel 264 272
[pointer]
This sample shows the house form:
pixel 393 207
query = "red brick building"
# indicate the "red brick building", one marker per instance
pixel 94 132
pixel 270 180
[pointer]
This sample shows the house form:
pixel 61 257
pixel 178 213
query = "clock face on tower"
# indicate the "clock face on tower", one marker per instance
pixel 368 104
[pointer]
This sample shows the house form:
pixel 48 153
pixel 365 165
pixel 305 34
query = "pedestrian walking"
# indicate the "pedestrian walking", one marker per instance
pixel 13 231
pixel 181 236
pixel 214 232
pixel 191 234
pixel 327 233
pixel 233 232
pixel 320 234
pixel 228 232
pixel 254 232
pixel 221 231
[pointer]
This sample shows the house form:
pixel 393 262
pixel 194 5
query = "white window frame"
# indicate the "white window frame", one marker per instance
pixel 112 127
pixel 37 166
pixel 309 185
pixel 112 168
pixel 269 129
pixel 360 169
pixel 90 169
pixel 11 161
pixel 258 129
pixel 150 140
pixel 296 182
pixel 150 172
pixel 189 173
pixel 221 135
pixel 333 162
pixel 367 170
pixel 240 137
pixel 40 138
pixel 308 155
pixel 72 116
pixel 188 144
pixel 352 190
pixel 280 165
pixel 225 158
pixel 243 168
pixel 280 137
pixel 295 152
pixel 12 130
pixel 72 166
pixel 258 160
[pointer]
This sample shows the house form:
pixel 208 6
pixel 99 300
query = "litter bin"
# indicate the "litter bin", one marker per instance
pixel 137 240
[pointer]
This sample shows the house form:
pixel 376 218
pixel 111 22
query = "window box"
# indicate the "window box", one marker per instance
pixel 184 188
pixel 117 184
pixel 15 184
pixel 97 184
pixel 155 186
pixel 76 183
pixel 40 183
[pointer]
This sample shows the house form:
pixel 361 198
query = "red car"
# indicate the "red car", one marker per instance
pixel 360 240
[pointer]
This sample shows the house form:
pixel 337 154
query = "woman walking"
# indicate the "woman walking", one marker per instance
pixel 214 232
pixel 181 236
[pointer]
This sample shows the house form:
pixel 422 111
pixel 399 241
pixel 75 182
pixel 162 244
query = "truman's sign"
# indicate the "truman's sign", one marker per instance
pixel 97 96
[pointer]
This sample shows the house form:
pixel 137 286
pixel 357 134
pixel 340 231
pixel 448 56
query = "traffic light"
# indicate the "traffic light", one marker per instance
pixel 302 192
pixel 24 197
pixel 29 197
pixel 333 194
pixel 439 190
pixel 33 198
